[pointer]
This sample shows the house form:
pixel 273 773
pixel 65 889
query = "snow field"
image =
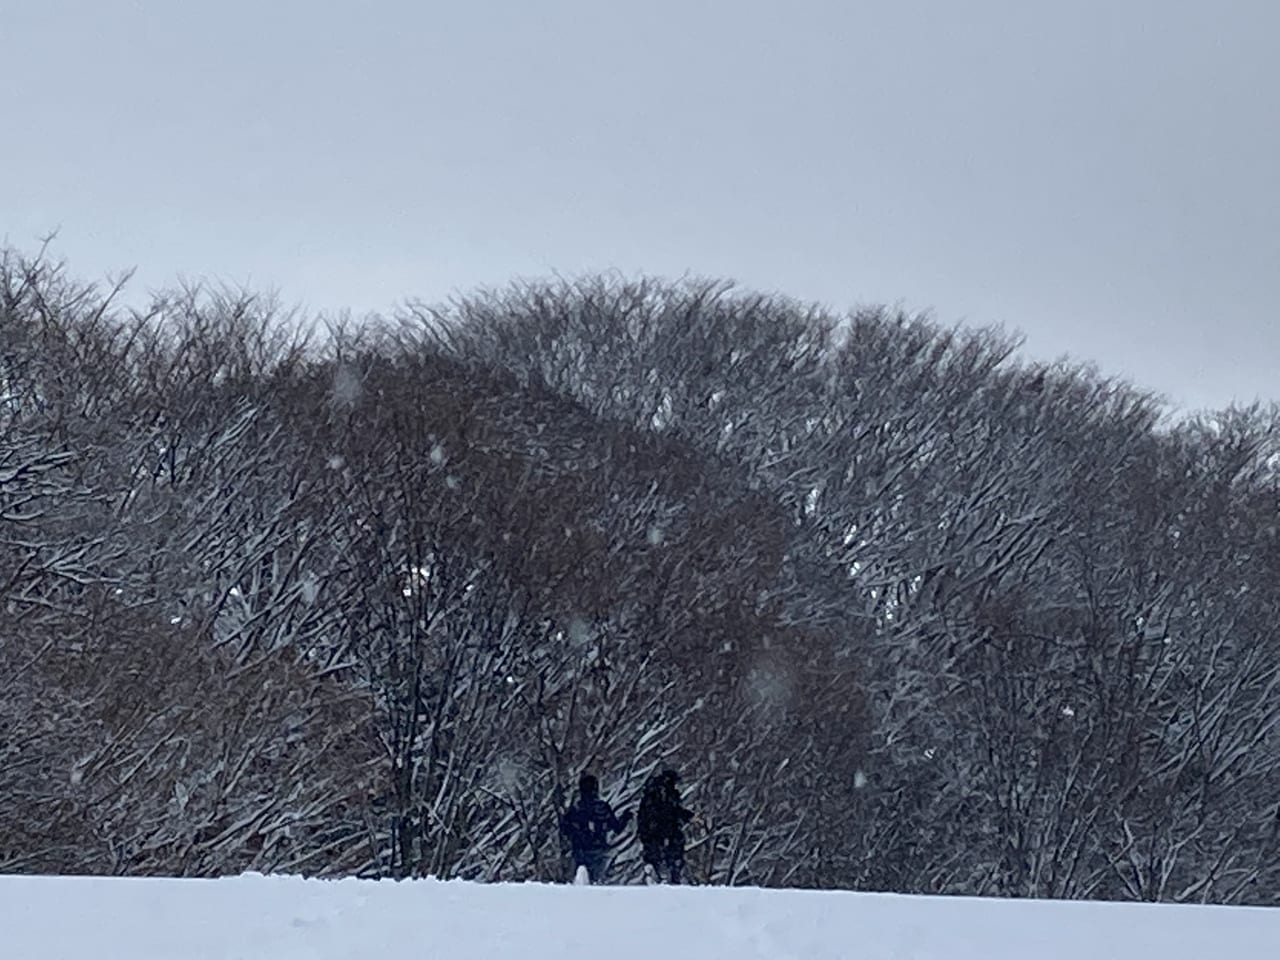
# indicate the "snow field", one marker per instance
pixel 287 918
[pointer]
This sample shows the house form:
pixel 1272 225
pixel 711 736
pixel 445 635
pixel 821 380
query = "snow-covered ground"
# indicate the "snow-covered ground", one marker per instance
pixel 285 918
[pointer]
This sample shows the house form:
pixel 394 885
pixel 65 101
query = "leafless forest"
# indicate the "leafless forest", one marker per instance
pixel 909 612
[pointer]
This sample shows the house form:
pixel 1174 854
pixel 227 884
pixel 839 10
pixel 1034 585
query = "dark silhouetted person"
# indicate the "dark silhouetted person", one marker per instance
pixel 587 825
pixel 661 827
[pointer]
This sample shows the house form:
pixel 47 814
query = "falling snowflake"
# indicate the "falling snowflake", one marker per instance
pixel 579 632
pixel 509 774
pixel 346 386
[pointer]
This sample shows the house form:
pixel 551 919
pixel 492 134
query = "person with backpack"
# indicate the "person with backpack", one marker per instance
pixel 587 825
pixel 661 827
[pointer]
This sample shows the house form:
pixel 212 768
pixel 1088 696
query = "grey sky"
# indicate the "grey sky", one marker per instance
pixel 1104 176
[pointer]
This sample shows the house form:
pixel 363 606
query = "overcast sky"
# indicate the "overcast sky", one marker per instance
pixel 1103 176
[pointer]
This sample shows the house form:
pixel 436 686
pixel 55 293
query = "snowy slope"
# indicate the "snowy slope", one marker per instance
pixel 285 918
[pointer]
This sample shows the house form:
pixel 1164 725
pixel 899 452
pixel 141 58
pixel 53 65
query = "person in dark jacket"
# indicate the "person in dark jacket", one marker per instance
pixel 587 825
pixel 661 826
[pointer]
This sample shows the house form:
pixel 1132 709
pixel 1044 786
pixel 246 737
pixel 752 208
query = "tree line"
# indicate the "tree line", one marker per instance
pixel 910 612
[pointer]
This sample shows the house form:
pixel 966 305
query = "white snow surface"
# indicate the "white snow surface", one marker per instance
pixel 288 918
